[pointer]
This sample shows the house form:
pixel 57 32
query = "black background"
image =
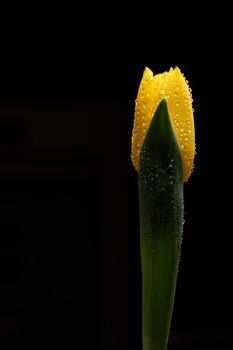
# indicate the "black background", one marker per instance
pixel 69 250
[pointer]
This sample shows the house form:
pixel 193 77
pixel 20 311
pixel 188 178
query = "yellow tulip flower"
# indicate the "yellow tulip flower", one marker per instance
pixel 173 86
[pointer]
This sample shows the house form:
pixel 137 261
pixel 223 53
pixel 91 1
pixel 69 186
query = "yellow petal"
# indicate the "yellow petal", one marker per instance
pixel 174 87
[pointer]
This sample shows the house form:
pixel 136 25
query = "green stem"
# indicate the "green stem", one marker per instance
pixel 161 221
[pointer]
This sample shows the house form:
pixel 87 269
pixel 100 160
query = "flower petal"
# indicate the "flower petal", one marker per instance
pixel 172 86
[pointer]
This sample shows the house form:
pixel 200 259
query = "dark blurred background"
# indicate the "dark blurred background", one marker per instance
pixel 69 249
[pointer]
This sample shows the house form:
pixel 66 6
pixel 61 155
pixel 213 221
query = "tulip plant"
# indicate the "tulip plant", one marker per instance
pixel 163 149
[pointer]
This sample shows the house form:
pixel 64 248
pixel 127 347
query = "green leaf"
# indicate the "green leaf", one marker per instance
pixel 161 224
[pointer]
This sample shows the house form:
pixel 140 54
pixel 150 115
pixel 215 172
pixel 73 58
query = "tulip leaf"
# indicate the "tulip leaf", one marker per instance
pixel 161 226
